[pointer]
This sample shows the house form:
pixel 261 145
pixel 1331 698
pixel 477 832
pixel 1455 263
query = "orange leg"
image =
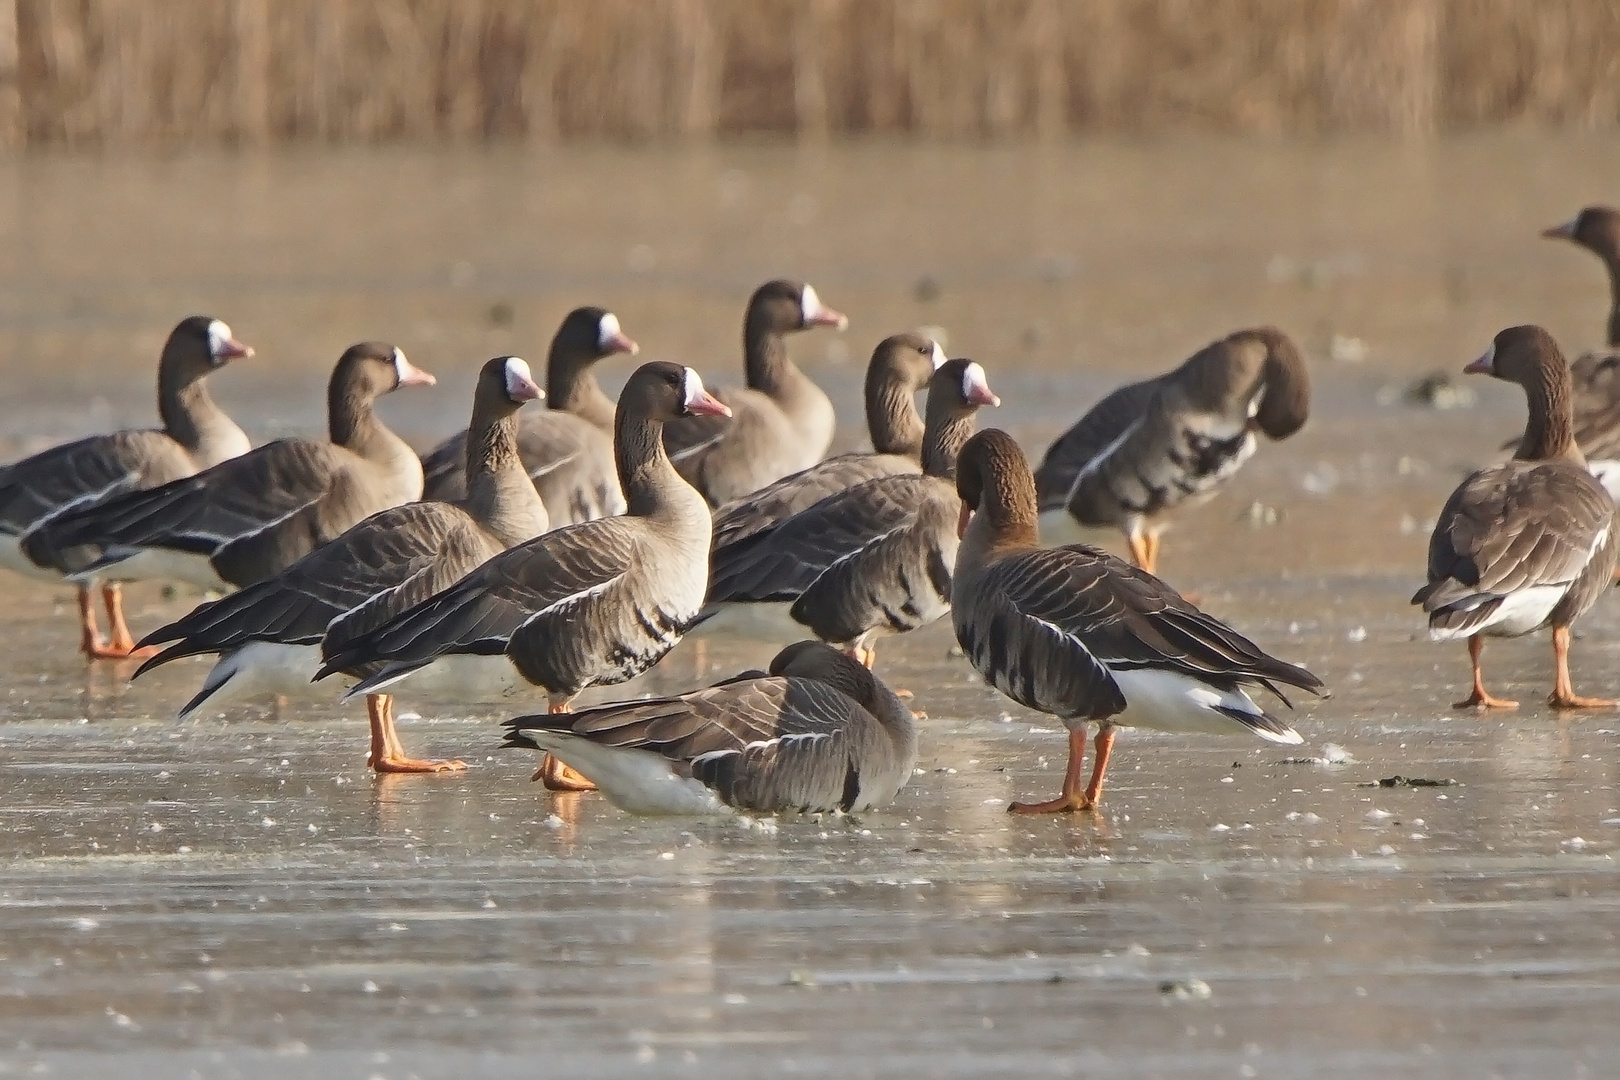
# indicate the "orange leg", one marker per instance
pixel 1099 765
pixel 1481 698
pixel 866 654
pixel 1138 543
pixel 1563 695
pixel 387 752
pixel 553 773
pixel 1072 798
pixel 1151 542
pixel 91 643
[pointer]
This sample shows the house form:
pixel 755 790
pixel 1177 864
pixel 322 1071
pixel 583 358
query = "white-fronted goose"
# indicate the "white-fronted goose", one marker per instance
pixel 196 434
pixel 269 635
pixel 901 366
pixel 1595 376
pixel 253 516
pixel 1530 542
pixel 567 447
pixel 780 422
pixel 819 733
pixel 1152 447
pixel 1082 635
pixel 592 604
pixel 873 559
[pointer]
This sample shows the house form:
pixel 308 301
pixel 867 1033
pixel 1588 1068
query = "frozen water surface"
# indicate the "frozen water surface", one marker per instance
pixel 238 897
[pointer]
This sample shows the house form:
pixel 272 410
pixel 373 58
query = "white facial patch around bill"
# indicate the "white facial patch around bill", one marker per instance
pixel 939 356
pixel 694 388
pixel 607 331
pixel 402 366
pixel 219 336
pixel 976 386
pixel 1487 359
pixel 519 382
pixel 810 304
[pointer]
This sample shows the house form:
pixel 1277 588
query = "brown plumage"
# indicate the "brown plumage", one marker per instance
pixel 869 560
pixel 1153 447
pixel 567 447
pixel 818 733
pixel 1595 376
pixel 196 434
pixel 592 604
pixel 1082 635
pixel 1530 542
pixel 269 635
pixel 254 515
pixel 900 367
pixel 780 422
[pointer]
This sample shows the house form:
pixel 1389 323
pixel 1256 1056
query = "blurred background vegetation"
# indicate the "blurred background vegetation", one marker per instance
pixel 75 72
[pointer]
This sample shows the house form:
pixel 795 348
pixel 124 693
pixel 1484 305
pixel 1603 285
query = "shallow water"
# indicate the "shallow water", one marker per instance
pixel 236 896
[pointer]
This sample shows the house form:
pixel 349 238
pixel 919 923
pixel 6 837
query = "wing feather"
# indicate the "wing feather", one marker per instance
pixel 781 562
pixel 480 613
pixel 200 514
pixel 372 568
pixel 1514 526
pixel 1100 428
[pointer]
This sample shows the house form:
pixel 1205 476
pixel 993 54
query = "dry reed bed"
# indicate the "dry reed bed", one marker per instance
pixel 95 71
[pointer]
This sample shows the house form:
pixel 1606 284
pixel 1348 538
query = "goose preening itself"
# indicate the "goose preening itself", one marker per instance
pixel 779 423
pixel 252 516
pixel 269 635
pixel 1169 442
pixel 1083 635
pixel 196 434
pixel 869 560
pixel 1528 543
pixel 566 447
pixel 1595 376
pixel 818 733
pixel 900 367
pixel 592 604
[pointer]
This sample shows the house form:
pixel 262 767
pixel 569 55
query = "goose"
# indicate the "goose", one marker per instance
pixel 1155 446
pixel 819 733
pixel 873 559
pixel 592 604
pixel 196 434
pixel 254 515
pixel 1084 636
pixel 1595 376
pixel 780 422
pixel 567 447
pixel 1528 543
pixel 269 635
pixel 901 365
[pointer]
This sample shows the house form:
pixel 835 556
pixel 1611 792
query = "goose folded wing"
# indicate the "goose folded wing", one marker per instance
pixel 897 579
pixel 296 606
pixel 1125 619
pixel 728 716
pixel 479 613
pixel 78 475
pixel 742 518
pixel 780 563
pixel 444 476
pixel 1093 434
pixel 421 567
pixel 806 765
pixel 1596 400
pixel 202 513
pixel 1515 526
